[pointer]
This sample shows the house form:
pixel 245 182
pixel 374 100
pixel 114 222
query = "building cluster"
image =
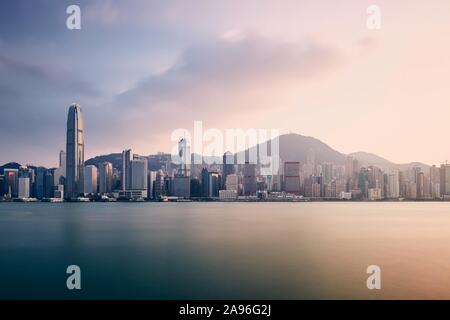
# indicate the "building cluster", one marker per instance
pixel 157 177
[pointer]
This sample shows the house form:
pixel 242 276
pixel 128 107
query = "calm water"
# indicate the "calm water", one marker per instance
pixel 225 250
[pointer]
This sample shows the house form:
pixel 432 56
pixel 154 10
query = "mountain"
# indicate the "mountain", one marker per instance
pixel 295 147
pixel 366 159
pixel 114 158
pixel 292 147
pixel 10 165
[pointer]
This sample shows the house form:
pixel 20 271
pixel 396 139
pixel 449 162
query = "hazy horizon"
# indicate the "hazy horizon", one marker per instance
pixel 143 69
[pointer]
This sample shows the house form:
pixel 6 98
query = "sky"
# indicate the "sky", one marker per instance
pixel 142 69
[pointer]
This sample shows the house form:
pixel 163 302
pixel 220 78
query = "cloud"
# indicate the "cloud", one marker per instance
pixel 215 80
pixel 223 65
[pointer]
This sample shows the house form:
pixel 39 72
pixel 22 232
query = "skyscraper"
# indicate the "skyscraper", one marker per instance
pixel 24 187
pixel 249 179
pixel 138 174
pixel 90 179
pixel 74 152
pixel 227 166
pixel 12 182
pixel 105 183
pixel 185 157
pixel 126 169
pixel 292 177
pixel 445 179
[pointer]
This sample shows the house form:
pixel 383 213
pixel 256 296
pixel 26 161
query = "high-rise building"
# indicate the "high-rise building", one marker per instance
pixel 445 179
pixel 49 185
pixel 213 184
pixel 292 177
pixel 227 166
pixel 232 182
pixel 105 178
pixel 327 170
pixel 435 178
pixel 393 186
pixel 249 179
pixel 90 179
pixel 185 157
pixel 24 187
pixel 181 186
pixel 126 169
pixel 2 186
pixel 138 174
pixel 60 172
pixel 11 182
pixel 151 179
pixel 74 152
pixel 159 184
pixel 205 182
pixel 40 182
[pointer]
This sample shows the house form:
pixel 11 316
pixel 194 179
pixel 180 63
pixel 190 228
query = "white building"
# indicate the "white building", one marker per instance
pixel 232 182
pixel 90 179
pixel 138 174
pixel 59 191
pixel 375 194
pixel 345 195
pixel 151 178
pixel 105 178
pixel 393 186
pixel 24 188
pixel 228 195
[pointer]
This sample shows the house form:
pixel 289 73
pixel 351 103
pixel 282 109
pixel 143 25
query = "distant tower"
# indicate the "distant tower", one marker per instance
pixel 185 156
pixel 105 183
pixel 74 152
pixel 227 167
pixel 127 156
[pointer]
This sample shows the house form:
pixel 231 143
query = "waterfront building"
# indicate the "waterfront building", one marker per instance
pixel 24 187
pixel 105 178
pixel 228 195
pixel 249 179
pixel 11 177
pixel 90 179
pixel 74 152
pixel 292 177
pixel 126 169
pixel 445 179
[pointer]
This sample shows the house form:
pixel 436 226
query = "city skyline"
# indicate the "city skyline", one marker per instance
pixel 312 68
pixel 322 174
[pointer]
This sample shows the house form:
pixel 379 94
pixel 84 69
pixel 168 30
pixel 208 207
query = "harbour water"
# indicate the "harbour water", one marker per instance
pixel 225 250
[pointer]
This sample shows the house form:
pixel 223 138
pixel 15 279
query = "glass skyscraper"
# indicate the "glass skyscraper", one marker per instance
pixel 74 153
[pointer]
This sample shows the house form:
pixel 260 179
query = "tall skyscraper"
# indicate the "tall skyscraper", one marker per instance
pixel 60 172
pixel 159 184
pixel 24 187
pixel 213 184
pixel 105 178
pixel 205 182
pixel 126 169
pixel 249 179
pixel 227 166
pixel 74 153
pixel 138 174
pixel 12 182
pixel 445 179
pixel 292 177
pixel 185 157
pixel 90 179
